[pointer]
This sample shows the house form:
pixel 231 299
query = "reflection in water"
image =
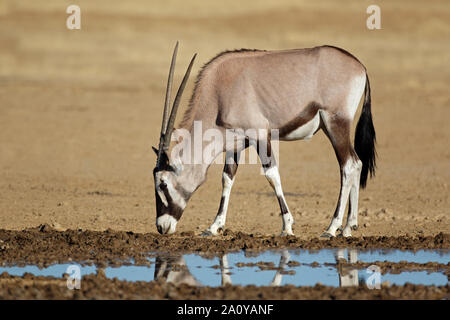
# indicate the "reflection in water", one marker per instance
pixel 284 260
pixel 225 270
pixel 348 275
pixel 330 267
pixel 174 269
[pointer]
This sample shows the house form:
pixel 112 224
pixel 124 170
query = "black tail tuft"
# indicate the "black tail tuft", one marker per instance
pixel 365 139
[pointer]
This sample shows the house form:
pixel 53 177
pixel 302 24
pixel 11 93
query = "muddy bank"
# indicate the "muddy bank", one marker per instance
pixel 385 266
pixel 43 245
pixel 397 267
pixel 99 287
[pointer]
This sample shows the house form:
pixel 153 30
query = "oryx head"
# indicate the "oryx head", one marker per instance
pixel 170 195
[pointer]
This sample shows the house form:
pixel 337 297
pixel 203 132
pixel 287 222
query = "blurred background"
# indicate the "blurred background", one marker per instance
pixel 80 109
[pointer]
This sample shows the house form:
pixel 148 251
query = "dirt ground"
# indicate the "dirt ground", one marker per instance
pixel 80 110
pixel 116 248
pixel 99 287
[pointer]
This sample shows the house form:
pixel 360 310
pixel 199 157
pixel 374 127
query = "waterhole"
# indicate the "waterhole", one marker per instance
pixel 330 267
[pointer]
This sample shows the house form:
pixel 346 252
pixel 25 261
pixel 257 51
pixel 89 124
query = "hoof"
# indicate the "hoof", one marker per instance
pixel 285 234
pixel 326 235
pixel 346 233
pixel 207 233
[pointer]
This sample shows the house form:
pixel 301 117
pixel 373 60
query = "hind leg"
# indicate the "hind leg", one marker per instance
pixel 346 184
pixel 352 218
pixel 338 131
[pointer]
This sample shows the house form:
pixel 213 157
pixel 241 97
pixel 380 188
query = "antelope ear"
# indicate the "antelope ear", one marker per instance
pixel 155 150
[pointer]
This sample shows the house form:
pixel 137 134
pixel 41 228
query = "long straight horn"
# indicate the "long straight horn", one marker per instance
pixel 176 103
pixel 167 103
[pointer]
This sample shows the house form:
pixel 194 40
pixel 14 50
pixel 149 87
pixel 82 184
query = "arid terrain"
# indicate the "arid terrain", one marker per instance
pixel 115 249
pixel 80 110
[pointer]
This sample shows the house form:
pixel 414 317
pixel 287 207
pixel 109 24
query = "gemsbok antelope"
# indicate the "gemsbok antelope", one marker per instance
pixel 296 92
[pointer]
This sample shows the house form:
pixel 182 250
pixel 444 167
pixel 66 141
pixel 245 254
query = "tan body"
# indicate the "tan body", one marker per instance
pixel 269 89
pixel 296 92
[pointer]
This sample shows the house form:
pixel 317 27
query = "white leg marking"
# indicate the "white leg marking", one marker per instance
pixel 348 174
pixel 219 222
pixel 273 176
pixel 352 219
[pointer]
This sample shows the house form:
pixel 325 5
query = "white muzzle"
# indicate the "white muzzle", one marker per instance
pixel 166 224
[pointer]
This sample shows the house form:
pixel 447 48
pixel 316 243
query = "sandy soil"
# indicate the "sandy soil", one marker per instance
pixel 117 247
pixel 99 287
pixel 80 109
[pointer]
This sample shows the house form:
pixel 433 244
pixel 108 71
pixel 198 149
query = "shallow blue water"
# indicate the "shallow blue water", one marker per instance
pixel 220 270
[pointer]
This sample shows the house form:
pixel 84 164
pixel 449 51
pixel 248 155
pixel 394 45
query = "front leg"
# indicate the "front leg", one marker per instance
pixel 273 177
pixel 229 171
pixel 269 165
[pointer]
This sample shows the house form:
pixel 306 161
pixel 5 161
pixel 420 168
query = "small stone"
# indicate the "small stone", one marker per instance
pixel 383 211
pixel 44 228
pixel 57 227
pixel 101 273
pixel 3 245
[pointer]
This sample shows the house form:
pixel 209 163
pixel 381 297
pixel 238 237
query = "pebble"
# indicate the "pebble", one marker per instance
pixel 364 212
pixel 57 226
pixel 384 211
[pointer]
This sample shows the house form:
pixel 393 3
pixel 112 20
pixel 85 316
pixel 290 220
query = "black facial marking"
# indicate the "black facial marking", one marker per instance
pixel 172 208
pixel 186 195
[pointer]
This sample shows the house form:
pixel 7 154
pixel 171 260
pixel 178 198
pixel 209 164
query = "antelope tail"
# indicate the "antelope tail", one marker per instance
pixel 365 138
